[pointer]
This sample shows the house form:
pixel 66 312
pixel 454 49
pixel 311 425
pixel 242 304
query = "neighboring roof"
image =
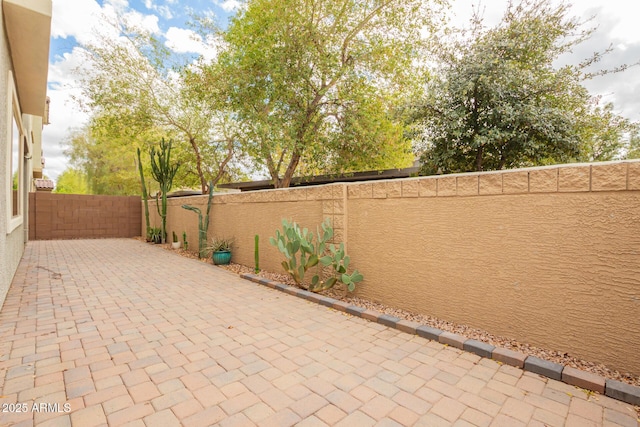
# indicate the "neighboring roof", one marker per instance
pixel 184 193
pixel 28 29
pixel 327 179
pixel 44 184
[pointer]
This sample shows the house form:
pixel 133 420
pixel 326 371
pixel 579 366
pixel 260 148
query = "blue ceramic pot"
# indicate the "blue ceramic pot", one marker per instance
pixel 221 257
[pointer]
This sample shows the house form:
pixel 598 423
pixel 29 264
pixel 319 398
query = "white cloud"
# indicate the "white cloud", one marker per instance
pixel 61 72
pixel 145 22
pixel 75 19
pixel 182 40
pixel 622 13
pixel 65 114
pixel 82 19
pixel 164 11
pixel 231 5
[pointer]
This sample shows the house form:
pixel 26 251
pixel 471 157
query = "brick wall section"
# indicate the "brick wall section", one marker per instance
pixel 72 216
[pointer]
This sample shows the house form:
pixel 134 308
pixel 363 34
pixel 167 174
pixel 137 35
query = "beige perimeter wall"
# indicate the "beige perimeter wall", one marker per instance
pixel 548 256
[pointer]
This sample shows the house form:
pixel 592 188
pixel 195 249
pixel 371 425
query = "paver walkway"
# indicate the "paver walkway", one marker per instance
pixel 125 333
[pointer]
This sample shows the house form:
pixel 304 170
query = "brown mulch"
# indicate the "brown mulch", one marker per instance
pixel 467 331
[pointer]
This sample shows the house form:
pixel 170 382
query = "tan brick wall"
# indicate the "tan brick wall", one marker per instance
pixel 73 216
pixel 548 255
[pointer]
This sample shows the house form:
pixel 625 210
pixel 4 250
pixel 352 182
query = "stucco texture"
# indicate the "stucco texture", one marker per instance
pixel 556 270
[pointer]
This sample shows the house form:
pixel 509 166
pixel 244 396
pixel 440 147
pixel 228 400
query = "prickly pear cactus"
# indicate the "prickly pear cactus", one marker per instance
pixel 304 250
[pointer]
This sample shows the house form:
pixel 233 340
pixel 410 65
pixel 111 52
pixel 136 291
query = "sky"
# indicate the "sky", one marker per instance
pixel 74 22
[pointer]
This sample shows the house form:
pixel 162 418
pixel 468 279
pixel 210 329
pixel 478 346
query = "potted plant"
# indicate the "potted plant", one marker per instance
pixel 220 249
pixel 176 243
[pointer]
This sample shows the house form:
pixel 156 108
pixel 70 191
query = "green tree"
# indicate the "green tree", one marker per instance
pixel 134 84
pixel 499 101
pixel 108 164
pixel 314 82
pixel 72 181
pixel 633 145
pixel 604 134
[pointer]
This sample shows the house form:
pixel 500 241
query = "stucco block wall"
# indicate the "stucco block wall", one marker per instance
pixel 243 215
pixel 549 256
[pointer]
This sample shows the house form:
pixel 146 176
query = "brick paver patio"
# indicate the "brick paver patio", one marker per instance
pixel 125 333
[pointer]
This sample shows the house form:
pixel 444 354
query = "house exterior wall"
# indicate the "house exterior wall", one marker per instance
pixel 12 244
pixel 549 256
pixel 24 52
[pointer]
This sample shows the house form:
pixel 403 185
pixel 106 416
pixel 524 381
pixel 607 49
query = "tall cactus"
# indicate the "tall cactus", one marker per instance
pixel 256 254
pixel 163 172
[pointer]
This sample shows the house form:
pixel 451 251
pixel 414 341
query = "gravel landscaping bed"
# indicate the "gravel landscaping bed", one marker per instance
pixel 467 331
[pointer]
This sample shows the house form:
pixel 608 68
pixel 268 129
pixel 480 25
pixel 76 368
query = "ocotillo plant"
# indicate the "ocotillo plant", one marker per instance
pixel 145 196
pixel 163 172
pixel 203 226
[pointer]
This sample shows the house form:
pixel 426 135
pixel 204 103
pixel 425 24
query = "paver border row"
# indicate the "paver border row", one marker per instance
pixel 614 389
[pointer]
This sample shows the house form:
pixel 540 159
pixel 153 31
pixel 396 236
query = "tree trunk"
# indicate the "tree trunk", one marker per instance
pixel 503 160
pixel 285 182
pixel 223 165
pixel 479 158
pixel 196 150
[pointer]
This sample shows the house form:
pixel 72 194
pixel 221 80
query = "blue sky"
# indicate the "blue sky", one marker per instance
pixel 74 21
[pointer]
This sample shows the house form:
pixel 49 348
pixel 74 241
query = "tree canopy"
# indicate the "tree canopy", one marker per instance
pixel 72 181
pixel 302 87
pixel 106 164
pixel 315 82
pixel 499 100
pixel 134 88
